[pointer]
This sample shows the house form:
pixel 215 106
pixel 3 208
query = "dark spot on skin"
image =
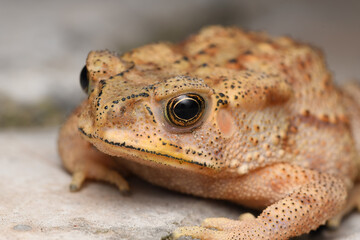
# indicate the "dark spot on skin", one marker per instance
pixel 149 110
pixel 143 94
pixel 220 101
pixel 248 52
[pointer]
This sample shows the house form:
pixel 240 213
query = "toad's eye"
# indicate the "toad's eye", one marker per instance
pixel 185 110
pixel 84 80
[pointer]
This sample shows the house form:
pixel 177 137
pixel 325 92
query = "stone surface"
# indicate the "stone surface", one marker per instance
pixel 35 202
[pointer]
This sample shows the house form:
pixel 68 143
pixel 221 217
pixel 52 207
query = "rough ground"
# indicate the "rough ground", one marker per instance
pixel 35 202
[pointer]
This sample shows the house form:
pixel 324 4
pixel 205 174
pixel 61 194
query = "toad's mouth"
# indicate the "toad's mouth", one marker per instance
pixel 137 153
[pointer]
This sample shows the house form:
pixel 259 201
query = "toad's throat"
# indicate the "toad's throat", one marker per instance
pixel 141 150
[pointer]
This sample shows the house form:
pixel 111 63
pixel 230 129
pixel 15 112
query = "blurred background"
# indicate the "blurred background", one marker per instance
pixel 44 44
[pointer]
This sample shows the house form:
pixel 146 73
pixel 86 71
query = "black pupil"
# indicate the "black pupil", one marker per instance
pixel 84 81
pixel 186 109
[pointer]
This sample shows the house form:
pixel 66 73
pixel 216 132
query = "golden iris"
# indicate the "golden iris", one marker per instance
pixel 185 110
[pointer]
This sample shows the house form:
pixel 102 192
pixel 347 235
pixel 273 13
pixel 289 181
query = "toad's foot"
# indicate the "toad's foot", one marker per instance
pixel 223 228
pixel 217 228
pixel 99 173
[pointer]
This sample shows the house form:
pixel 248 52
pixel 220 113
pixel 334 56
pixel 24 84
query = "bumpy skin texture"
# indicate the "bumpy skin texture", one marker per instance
pixel 275 133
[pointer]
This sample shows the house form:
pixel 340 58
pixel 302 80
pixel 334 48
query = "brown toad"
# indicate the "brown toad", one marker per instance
pixel 226 114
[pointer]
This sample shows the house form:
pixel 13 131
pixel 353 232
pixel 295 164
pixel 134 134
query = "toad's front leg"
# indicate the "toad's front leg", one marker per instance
pixel 300 200
pixel 84 161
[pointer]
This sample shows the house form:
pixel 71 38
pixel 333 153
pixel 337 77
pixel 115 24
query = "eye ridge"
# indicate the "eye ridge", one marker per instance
pixel 185 110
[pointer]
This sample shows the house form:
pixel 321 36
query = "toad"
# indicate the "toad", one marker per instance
pixel 226 114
